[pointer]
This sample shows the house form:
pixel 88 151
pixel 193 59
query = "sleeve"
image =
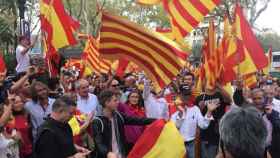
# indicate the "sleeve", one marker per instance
pixel 203 122
pixel 46 146
pixel 128 120
pixel 98 139
pixel 177 120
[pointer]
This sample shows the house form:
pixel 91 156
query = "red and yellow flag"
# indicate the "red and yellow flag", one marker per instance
pixel 210 57
pixel 158 56
pixel 187 14
pixel 148 2
pixel 57 24
pixel 159 142
pixel 255 58
pixel 269 58
pixel 58 28
pixel 93 58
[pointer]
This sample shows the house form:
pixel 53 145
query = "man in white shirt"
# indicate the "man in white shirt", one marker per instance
pixel 22 56
pixel 189 117
pixel 87 103
pixel 155 106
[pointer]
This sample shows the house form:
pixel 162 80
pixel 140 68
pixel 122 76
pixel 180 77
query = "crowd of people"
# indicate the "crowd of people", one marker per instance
pixel 103 115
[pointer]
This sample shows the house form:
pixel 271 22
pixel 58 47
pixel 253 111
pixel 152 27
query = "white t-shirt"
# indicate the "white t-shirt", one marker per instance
pixel 23 61
pixel 86 106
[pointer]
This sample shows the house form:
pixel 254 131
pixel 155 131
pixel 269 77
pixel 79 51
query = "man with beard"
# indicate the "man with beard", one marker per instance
pixel 40 106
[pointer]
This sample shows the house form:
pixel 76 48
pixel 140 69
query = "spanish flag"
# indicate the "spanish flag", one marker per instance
pixel 58 28
pixel 57 24
pixel 158 56
pixel 255 58
pixel 160 140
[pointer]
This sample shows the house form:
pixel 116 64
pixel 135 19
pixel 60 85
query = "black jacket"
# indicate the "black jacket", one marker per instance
pixel 102 132
pixel 54 140
pixel 274 118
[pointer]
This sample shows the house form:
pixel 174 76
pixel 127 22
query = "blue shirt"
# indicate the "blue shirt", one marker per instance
pixel 38 114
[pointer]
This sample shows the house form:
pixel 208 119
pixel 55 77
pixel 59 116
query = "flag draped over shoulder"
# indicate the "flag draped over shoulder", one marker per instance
pixel 158 56
pixel 58 28
pixel 161 140
pixel 93 59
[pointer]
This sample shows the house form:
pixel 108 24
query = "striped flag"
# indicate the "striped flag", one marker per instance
pixel 255 58
pixel 209 53
pixel 57 24
pixel 93 58
pixel 58 28
pixel 187 14
pixel 158 56
pixel 159 144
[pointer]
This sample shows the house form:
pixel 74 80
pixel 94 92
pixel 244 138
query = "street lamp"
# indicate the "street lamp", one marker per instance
pixel 21 7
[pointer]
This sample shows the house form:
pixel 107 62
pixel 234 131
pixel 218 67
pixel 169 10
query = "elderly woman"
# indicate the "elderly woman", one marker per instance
pixel 133 107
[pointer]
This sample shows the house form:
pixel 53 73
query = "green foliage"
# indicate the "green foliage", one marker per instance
pixel 270 39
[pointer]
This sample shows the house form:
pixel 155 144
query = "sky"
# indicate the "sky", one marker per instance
pixel 270 18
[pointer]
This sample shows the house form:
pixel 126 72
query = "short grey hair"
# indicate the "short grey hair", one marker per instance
pixel 78 83
pixel 243 133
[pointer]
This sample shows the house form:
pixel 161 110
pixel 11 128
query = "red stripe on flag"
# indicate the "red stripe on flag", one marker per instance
pixel 184 13
pixel 144 63
pixel 62 15
pixel 160 42
pixel 153 132
pixel 148 44
pixel 142 51
pixel 200 6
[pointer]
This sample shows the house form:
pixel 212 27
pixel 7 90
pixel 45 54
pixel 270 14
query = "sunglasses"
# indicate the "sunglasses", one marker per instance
pixel 116 85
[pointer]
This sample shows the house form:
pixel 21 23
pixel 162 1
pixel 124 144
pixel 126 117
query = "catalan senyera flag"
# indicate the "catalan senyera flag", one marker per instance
pixel 210 58
pixel 250 80
pixel 159 143
pixel 167 32
pixel 255 58
pixel 269 58
pixel 158 56
pixel 187 14
pixel 93 58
